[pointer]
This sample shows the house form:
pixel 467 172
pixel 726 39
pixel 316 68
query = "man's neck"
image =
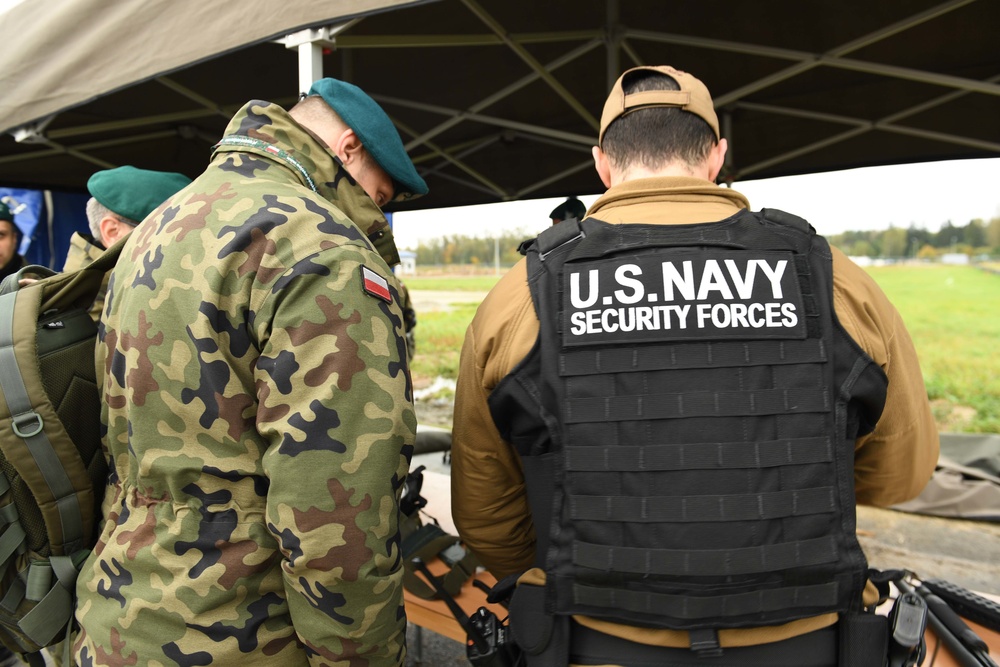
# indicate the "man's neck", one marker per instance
pixel 671 169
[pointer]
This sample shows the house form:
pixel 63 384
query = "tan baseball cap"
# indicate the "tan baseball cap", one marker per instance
pixel 693 97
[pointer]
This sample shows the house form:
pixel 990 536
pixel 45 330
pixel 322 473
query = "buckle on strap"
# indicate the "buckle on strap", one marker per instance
pixel 27 424
pixel 705 643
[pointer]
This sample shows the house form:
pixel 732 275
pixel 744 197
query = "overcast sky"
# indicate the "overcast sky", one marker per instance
pixel 926 194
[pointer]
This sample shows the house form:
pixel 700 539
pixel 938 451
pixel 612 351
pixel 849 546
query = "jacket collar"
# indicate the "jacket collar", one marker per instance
pixel 268 130
pixel 671 189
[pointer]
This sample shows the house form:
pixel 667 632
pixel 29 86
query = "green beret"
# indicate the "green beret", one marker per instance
pixel 134 193
pixel 379 136
pixel 5 212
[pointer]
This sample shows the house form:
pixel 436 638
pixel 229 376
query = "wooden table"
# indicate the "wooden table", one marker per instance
pixel 938 654
pixel 941 657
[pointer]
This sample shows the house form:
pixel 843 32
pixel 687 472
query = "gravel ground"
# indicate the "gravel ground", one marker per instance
pixel 432 650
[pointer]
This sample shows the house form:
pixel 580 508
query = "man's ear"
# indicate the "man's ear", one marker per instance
pixel 602 165
pixel 347 146
pixel 716 159
pixel 109 230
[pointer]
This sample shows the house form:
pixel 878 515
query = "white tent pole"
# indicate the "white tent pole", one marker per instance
pixel 310 65
pixel 310 44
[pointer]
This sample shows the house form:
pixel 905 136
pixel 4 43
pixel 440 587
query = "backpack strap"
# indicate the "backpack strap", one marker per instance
pixel 12 536
pixel 42 453
pixel 28 423
pixel 81 285
pixel 35 271
pixel 54 610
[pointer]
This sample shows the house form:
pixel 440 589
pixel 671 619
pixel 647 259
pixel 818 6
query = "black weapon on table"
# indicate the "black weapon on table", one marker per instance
pixel 965 645
pixel 489 643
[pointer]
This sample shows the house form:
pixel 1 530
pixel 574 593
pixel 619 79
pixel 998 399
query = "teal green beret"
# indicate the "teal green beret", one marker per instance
pixel 5 212
pixel 379 136
pixel 134 193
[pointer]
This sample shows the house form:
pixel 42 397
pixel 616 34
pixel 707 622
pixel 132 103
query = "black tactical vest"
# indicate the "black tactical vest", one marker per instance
pixel 687 421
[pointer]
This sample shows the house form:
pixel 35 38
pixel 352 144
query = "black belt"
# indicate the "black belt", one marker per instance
pixel 815 649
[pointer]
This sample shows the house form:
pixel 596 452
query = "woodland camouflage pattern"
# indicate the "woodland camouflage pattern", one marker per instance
pixel 259 423
pixel 82 252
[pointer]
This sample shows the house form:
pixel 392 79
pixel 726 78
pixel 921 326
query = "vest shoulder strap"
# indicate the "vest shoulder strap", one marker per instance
pixel 557 235
pixel 784 218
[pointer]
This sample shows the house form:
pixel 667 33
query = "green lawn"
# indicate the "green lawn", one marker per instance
pixel 953 316
pixel 451 283
pixel 439 341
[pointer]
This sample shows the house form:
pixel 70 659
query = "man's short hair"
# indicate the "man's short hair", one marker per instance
pixel 96 211
pixel 314 108
pixel 656 136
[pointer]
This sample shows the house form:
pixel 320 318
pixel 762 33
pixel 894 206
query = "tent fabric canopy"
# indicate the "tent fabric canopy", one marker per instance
pixel 64 53
pixel 499 99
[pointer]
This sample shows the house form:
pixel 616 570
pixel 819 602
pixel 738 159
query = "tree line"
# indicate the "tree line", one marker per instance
pixel 977 238
pixel 472 250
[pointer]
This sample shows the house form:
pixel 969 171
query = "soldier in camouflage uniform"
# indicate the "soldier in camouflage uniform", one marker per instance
pixel 10 239
pixel 120 199
pixel 258 405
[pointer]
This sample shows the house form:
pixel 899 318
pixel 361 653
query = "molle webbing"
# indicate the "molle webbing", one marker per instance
pixel 707 404
pixel 688 355
pixel 765 454
pixel 696 509
pixel 703 465
pixel 705 562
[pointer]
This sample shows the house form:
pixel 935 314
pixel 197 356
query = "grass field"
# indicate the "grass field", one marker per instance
pixel 440 332
pixel 452 283
pixel 951 312
pixel 953 316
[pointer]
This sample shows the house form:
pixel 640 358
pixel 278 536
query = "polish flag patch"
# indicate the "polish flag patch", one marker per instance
pixel 375 284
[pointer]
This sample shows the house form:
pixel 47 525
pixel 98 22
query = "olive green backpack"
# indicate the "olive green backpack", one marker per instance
pixel 54 471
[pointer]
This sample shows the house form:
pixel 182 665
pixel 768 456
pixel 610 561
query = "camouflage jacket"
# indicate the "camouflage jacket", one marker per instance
pixel 82 251
pixel 259 421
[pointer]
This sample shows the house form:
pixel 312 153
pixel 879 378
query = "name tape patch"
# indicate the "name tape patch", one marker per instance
pixel 374 284
pixel 682 296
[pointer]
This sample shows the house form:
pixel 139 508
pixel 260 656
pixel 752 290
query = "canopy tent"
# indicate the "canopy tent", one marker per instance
pixel 498 99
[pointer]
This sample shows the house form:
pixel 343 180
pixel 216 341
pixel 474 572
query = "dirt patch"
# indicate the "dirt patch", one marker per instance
pixel 951 418
pixel 434 401
pixel 442 300
pixel 434 398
